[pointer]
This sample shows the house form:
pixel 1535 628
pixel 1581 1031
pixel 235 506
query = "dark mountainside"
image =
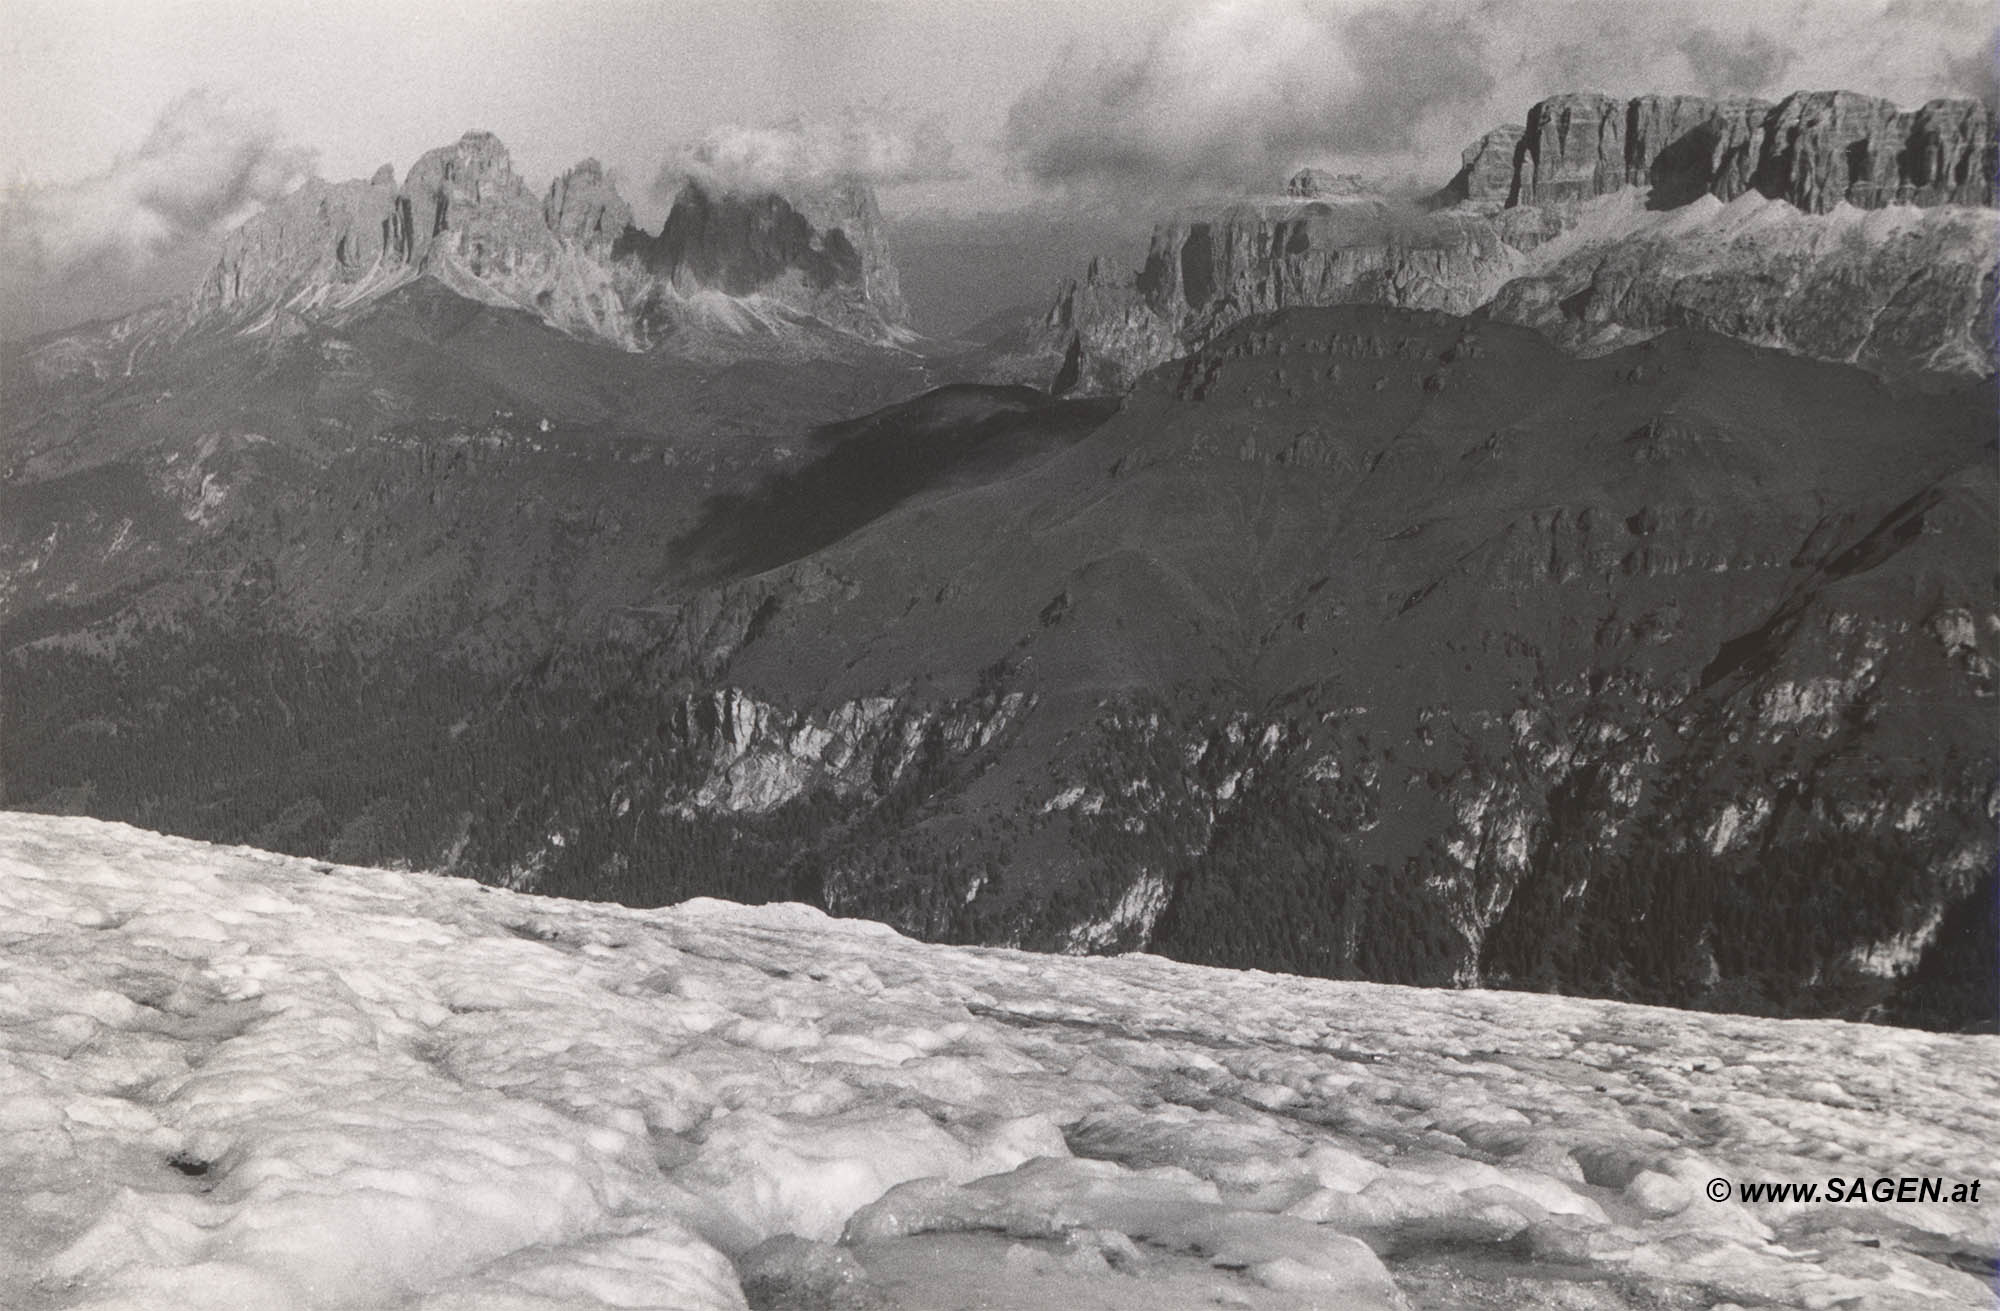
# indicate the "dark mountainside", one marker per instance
pixel 1361 641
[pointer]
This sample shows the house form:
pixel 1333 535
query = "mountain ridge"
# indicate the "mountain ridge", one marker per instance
pixel 1357 639
pixel 1356 642
pixel 573 257
pixel 1603 221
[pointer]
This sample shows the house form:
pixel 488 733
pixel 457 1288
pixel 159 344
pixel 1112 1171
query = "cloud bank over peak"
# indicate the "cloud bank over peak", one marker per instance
pixel 1236 91
pixel 877 144
pixel 204 166
pixel 1231 95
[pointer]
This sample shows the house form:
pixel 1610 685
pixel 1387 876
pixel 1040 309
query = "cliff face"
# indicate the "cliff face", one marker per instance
pixel 1603 221
pixel 573 257
pixel 584 208
pixel 1898 290
pixel 1203 274
pixel 1814 150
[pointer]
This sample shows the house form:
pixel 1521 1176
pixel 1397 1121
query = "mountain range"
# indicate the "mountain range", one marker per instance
pixel 1578 580
pixel 1828 224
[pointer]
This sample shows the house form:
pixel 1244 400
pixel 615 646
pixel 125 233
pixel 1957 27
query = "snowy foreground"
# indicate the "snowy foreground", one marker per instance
pixel 233 1079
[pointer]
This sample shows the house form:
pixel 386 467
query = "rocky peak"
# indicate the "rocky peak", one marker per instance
pixel 849 208
pixel 468 197
pixel 1575 148
pixel 741 244
pixel 463 215
pixel 1919 303
pixel 321 238
pixel 1486 171
pixel 822 251
pixel 583 206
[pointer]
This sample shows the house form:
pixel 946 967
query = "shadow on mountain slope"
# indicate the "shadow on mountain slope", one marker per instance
pixel 956 436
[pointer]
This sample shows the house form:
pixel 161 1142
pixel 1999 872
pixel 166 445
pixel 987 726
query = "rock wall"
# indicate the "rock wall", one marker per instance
pixel 1814 150
pixel 573 256
pixel 1896 291
pixel 1896 296
pixel 1487 174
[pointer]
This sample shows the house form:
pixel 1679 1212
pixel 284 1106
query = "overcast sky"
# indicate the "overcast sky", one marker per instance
pixel 132 132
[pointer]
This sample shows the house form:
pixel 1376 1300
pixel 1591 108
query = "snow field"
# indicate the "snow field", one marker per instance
pixel 233 1079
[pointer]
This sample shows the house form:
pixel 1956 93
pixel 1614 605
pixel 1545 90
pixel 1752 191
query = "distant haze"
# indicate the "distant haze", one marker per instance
pixel 134 133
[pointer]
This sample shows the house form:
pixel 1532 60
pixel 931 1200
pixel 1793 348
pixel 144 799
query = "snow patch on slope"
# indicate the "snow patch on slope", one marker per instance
pixel 229 1078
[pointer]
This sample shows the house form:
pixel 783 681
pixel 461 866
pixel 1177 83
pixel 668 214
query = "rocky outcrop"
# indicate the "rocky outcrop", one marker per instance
pixel 1559 224
pixel 822 253
pixel 1948 156
pixel 751 757
pixel 1486 175
pixel 583 207
pixel 1826 148
pixel 1203 274
pixel 324 238
pixel 1897 291
pixel 1687 146
pixel 466 199
pixel 1574 148
pixel 1814 150
pixel 573 257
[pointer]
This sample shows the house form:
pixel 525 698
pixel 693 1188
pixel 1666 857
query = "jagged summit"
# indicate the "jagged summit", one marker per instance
pixel 1829 224
pixel 765 264
pixel 821 252
pixel 583 206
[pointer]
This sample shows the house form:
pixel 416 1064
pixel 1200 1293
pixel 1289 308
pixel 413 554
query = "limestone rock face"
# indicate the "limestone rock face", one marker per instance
pixel 584 208
pixel 1686 146
pixel 466 199
pixel 1602 222
pixel 822 255
pixel 1896 290
pixel 1575 148
pixel 1814 150
pixel 1204 273
pixel 1949 155
pixel 463 216
pixel 1825 148
pixel 1488 165
pixel 1102 330
pixel 322 240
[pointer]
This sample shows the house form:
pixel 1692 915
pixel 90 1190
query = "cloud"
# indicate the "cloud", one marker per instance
pixel 1233 92
pixel 1231 95
pixel 204 166
pixel 1738 64
pixel 874 144
pixel 1977 73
